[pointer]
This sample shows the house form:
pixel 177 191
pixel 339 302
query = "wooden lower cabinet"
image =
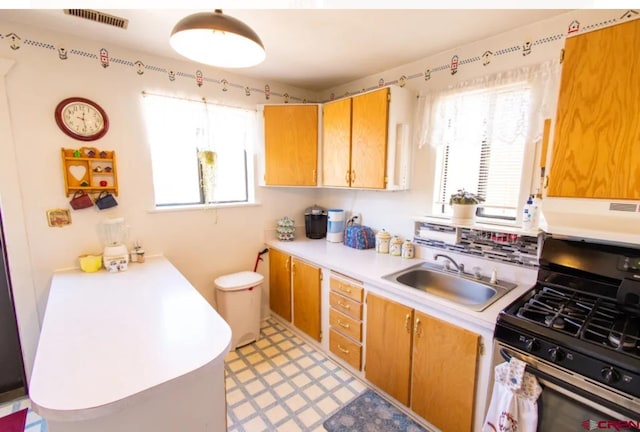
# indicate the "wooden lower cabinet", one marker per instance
pixel 306 297
pixel 423 362
pixel 280 283
pixel 388 346
pixel 445 359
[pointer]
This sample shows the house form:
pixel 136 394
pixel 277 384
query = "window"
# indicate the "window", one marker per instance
pixel 199 151
pixel 484 137
pixel 483 145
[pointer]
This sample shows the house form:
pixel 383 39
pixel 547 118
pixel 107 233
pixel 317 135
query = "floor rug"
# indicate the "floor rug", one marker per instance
pixel 369 412
pixel 14 422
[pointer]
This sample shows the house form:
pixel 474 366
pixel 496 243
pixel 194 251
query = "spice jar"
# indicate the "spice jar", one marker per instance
pixel 395 246
pixel 407 249
pixel 382 242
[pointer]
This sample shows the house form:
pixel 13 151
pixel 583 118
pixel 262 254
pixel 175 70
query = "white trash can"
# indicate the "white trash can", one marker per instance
pixel 238 297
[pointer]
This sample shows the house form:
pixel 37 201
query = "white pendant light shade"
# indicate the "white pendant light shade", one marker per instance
pixel 217 40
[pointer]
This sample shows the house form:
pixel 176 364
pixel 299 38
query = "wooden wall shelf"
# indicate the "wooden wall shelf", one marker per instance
pixel 90 170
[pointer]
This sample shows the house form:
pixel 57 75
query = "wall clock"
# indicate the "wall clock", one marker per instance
pixel 81 119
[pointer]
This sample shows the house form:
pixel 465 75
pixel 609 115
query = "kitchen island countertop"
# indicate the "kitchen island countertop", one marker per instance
pixel 112 340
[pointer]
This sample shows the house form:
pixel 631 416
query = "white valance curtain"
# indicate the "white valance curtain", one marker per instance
pixel 543 79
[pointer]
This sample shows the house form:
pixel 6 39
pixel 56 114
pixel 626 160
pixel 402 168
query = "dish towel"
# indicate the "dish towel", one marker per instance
pixel 514 403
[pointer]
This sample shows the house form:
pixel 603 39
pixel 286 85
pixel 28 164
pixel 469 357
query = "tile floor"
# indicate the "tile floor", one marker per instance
pixel 279 383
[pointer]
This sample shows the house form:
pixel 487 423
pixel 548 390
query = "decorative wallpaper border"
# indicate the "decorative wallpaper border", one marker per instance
pixel 504 247
pixel 524 49
pixel 16 43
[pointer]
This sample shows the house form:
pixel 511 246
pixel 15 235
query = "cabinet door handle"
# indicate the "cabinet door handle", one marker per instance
pixel 346 306
pixel 347 179
pixel 353 176
pixel 417 329
pixel 407 323
pixel 286 264
pixel 343 324
pixel 342 288
pixel 344 350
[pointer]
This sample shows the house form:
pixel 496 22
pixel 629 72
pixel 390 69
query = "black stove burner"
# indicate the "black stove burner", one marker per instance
pixel 557 309
pixel 584 316
pixel 624 333
pixel 554 322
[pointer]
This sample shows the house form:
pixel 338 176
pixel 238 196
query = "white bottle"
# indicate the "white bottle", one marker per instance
pixel 528 215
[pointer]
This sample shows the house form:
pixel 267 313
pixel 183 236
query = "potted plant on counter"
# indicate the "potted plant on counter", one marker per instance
pixel 464 205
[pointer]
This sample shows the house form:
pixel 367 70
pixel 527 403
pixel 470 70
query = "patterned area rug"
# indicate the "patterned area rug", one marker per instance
pixel 369 412
pixel 14 422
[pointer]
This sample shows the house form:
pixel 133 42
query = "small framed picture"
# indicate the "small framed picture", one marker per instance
pixel 58 217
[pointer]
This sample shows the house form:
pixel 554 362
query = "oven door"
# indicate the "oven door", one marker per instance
pixel 566 403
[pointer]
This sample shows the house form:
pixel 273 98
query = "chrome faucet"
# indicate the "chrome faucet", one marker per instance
pixel 459 267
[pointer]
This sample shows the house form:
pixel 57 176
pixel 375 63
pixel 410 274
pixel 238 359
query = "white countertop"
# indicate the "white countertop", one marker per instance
pixel 370 267
pixel 108 338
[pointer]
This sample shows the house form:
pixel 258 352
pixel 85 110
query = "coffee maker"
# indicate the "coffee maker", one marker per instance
pixel 315 222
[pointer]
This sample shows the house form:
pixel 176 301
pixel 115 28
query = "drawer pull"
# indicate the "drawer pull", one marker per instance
pixel 343 289
pixel 344 350
pixel 343 325
pixel 346 306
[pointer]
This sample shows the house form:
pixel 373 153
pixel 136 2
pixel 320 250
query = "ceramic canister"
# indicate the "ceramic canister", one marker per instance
pixel 407 249
pixel 395 246
pixel 382 241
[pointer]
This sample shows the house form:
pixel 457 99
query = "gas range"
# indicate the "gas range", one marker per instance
pixel 582 318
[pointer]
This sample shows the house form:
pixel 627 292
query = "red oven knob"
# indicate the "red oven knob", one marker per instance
pixel 532 345
pixel 609 375
pixel 556 354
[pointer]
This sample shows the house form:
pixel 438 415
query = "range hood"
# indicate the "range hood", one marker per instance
pixel 600 220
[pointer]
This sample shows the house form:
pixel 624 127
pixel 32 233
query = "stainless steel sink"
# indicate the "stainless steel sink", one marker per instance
pixel 473 292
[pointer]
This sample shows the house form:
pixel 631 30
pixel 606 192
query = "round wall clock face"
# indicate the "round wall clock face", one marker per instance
pixel 81 119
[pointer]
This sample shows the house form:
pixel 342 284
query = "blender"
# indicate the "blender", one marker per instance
pixel 115 255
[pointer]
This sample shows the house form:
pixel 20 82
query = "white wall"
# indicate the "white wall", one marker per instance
pixel 393 210
pixel 202 244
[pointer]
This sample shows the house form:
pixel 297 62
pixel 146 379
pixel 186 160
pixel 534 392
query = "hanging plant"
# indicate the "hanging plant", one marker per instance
pixel 207 159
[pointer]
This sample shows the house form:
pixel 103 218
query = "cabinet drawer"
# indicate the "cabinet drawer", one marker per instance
pixel 346 305
pixel 346 349
pixel 346 289
pixel 345 325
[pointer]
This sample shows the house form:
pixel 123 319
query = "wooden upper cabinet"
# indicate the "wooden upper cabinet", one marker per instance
pixel 388 346
pixel 445 359
pixel 369 130
pixel 291 145
pixel 596 148
pixel 306 298
pixel 336 143
pixel 280 283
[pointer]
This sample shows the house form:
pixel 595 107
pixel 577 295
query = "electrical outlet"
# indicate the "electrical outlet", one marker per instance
pixel 356 218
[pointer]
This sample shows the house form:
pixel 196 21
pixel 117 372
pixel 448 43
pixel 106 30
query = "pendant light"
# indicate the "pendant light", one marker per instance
pixel 217 40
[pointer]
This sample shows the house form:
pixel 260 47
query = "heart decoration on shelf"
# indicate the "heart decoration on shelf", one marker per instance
pixel 78 171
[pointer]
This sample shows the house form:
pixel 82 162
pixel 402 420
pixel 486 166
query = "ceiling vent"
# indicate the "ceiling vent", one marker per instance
pixel 100 17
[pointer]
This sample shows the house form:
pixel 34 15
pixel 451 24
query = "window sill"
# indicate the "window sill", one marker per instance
pixel 483 226
pixel 200 207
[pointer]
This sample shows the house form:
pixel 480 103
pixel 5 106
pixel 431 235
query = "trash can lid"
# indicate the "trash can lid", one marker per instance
pixel 239 281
